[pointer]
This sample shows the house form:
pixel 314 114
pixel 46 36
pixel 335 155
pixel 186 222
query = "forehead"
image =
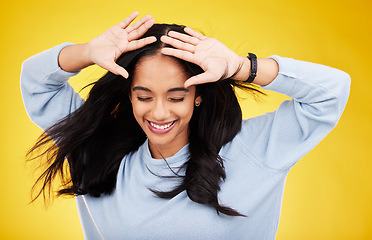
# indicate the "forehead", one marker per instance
pixel 159 72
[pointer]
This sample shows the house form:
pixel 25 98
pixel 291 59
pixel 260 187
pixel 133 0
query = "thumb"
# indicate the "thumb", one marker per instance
pixel 116 69
pixel 199 79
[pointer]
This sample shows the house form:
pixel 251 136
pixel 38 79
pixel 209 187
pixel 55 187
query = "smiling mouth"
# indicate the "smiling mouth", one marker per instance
pixel 161 128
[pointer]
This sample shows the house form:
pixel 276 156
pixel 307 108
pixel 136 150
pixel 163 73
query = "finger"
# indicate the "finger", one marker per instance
pixel 200 78
pixel 115 69
pixel 136 44
pixel 184 55
pixel 128 20
pixel 194 34
pixel 184 37
pixel 178 44
pixel 138 23
pixel 137 33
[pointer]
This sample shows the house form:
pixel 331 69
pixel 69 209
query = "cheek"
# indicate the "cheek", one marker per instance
pixel 138 110
pixel 185 110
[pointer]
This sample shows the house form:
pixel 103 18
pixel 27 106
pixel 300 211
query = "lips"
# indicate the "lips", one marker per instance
pixel 160 128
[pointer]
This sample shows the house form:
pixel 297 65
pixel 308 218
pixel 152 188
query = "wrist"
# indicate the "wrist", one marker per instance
pixel 74 58
pixel 267 71
pixel 86 54
pixel 245 70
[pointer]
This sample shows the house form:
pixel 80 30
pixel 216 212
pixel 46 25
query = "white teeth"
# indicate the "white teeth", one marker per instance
pixel 162 126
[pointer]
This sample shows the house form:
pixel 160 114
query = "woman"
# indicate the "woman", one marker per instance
pixel 159 149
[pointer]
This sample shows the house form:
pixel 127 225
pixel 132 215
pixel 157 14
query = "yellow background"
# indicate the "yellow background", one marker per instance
pixel 328 193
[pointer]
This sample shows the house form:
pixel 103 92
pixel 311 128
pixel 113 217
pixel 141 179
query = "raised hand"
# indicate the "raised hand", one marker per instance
pixel 105 49
pixel 217 60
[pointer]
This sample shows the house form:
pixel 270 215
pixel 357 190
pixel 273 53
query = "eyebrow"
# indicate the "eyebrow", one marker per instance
pixel 178 89
pixel 141 88
pixel 170 90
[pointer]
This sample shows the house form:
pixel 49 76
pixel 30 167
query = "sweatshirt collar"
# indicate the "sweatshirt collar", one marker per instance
pixel 177 159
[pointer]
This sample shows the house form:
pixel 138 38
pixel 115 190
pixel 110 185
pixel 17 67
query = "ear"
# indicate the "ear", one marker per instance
pixel 198 99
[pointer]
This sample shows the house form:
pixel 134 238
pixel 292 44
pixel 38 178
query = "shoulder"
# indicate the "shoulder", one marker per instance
pixel 239 154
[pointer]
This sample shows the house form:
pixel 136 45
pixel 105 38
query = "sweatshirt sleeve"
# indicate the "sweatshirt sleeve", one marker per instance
pixel 319 94
pixel 46 93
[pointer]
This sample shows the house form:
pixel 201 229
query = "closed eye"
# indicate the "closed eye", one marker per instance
pixel 176 99
pixel 144 99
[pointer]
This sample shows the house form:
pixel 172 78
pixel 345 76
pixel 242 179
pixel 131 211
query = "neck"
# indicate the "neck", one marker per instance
pixel 166 151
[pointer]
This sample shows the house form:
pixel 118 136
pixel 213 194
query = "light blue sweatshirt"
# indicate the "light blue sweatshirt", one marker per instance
pixel 256 161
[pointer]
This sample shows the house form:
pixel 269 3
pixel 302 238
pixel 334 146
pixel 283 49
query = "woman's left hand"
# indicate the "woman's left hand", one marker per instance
pixel 217 60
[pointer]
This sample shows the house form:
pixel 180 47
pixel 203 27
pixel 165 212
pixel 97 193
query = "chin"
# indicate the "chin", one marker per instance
pixel 160 140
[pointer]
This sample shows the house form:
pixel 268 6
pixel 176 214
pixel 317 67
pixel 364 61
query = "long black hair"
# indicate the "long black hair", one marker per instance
pixel 93 140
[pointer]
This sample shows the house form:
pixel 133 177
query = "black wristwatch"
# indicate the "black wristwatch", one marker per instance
pixel 253 74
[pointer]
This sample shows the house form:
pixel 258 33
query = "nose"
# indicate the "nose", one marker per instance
pixel 160 111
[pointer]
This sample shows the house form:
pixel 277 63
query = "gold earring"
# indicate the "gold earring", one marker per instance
pixel 197 104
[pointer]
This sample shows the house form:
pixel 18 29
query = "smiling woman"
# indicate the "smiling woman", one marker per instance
pixel 165 120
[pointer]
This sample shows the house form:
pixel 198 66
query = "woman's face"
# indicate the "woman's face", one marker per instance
pixel 161 104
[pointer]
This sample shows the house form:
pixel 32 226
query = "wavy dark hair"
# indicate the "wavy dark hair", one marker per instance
pixel 97 136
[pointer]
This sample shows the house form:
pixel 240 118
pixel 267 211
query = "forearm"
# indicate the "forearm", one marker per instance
pixel 74 58
pixel 267 71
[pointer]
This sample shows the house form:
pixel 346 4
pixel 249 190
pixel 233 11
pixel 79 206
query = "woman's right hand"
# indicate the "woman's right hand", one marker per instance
pixel 105 49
